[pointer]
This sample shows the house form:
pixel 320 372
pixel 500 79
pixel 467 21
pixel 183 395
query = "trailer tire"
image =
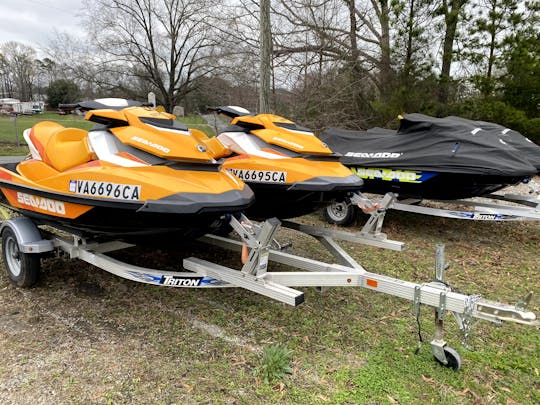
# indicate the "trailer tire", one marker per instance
pixel 340 213
pixel 22 268
pixel 453 360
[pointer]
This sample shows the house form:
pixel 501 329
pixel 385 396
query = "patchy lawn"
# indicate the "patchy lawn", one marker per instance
pixel 86 336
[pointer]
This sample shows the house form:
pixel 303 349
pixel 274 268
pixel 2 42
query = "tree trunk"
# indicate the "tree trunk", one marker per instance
pixel 451 18
pixel 265 64
pixel 385 67
pixel 409 50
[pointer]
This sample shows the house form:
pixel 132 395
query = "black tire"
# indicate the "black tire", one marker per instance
pixel 340 213
pixel 452 358
pixel 22 268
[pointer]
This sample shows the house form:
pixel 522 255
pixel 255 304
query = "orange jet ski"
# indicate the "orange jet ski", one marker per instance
pixel 138 173
pixel 291 172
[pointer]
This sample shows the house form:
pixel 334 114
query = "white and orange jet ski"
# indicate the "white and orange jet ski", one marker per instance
pixel 291 171
pixel 139 173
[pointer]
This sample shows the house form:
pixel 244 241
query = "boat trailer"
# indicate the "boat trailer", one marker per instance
pixel 491 207
pixel 22 244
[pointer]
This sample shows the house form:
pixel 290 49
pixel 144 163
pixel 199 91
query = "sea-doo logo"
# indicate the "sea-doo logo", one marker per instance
pixel 376 155
pixel 44 204
pixel 176 281
pixel 151 144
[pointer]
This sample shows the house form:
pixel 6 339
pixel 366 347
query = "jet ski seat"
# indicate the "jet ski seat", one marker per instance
pixel 59 147
pixel 67 148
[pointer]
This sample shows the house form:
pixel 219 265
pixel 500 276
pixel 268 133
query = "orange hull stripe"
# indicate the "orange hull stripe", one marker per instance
pixel 44 205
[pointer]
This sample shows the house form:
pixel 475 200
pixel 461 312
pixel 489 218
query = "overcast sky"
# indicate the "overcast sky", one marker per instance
pixel 33 22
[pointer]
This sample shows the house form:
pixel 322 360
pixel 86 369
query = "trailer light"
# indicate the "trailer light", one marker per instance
pixel 372 283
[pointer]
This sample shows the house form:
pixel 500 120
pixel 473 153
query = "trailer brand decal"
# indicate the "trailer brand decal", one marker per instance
pixel 485 216
pixel 378 155
pixel 144 277
pixel 260 176
pixel 177 281
pixel 151 144
pixel 104 189
pixel 480 217
pixel 45 204
pixel 402 176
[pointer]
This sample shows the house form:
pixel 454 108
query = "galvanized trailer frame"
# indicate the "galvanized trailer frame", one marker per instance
pixel 256 275
pixel 529 209
pixel 525 208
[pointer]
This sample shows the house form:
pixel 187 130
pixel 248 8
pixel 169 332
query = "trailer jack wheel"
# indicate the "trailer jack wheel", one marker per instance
pixel 340 213
pixel 453 360
pixel 22 268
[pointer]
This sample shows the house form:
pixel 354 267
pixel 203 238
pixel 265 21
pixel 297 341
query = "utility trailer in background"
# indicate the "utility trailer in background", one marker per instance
pixel 23 242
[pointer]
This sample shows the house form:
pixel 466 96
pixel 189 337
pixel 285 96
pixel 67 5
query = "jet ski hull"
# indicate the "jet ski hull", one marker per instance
pixel 292 187
pixel 295 200
pixel 178 216
pixel 431 185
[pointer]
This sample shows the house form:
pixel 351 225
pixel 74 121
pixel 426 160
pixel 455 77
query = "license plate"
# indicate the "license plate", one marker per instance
pixel 105 189
pixel 260 176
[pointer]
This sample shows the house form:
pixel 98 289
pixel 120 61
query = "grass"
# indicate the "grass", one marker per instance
pixel 85 336
pixel 11 127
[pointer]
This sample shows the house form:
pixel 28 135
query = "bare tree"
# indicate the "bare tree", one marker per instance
pixel 18 69
pixel 6 78
pixel 349 32
pixel 164 42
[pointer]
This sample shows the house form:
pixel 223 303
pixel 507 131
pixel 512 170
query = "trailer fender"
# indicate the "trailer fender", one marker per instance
pixel 28 235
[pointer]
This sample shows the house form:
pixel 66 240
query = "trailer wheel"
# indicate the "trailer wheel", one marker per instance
pixel 22 268
pixel 453 360
pixel 340 213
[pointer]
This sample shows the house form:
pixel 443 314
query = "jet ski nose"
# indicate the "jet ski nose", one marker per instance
pixel 196 203
pixel 329 183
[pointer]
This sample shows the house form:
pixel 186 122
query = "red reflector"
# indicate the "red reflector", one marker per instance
pixel 372 283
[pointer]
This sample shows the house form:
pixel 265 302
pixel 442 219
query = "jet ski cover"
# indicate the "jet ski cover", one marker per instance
pixel 450 144
pixel 528 148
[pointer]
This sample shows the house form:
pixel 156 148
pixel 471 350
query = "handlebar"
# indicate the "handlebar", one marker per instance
pixel 230 111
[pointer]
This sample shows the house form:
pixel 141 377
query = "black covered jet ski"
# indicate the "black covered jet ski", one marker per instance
pixel 436 158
